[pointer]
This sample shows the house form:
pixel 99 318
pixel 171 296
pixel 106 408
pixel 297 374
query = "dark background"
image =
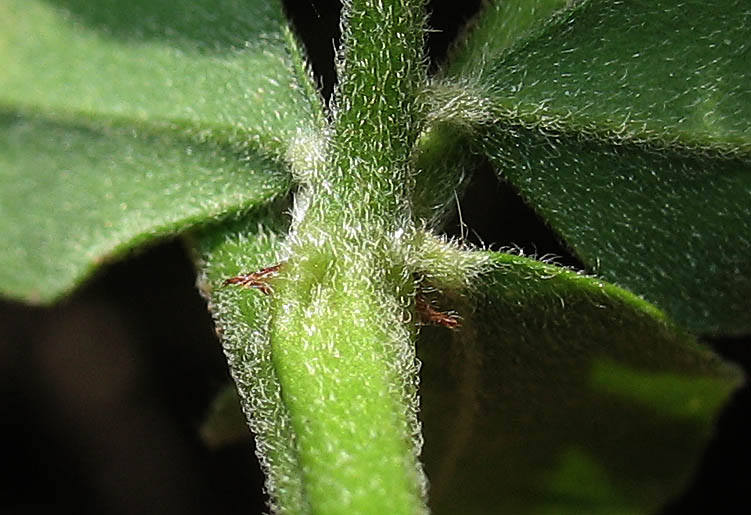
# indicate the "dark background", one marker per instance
pixel 102 395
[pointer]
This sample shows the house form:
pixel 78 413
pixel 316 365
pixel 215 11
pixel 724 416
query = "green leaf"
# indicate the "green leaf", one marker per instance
pixel 562 394
pixel 121 122
pixel 626 125
pixel 76 196
pixel 502 25
pixel 211 65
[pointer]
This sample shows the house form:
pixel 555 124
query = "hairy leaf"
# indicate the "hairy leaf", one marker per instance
pixel 228 65
pixel 76 196
pixel 502 24
pixel 121 122
pixel 626 125
pixel 562 394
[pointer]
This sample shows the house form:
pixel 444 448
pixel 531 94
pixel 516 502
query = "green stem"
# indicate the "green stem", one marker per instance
pixel 343 354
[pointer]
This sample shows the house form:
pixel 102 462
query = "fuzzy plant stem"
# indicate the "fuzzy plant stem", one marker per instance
pixel 341 340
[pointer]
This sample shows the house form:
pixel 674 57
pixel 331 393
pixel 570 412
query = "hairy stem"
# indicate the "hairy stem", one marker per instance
pixel 342 351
